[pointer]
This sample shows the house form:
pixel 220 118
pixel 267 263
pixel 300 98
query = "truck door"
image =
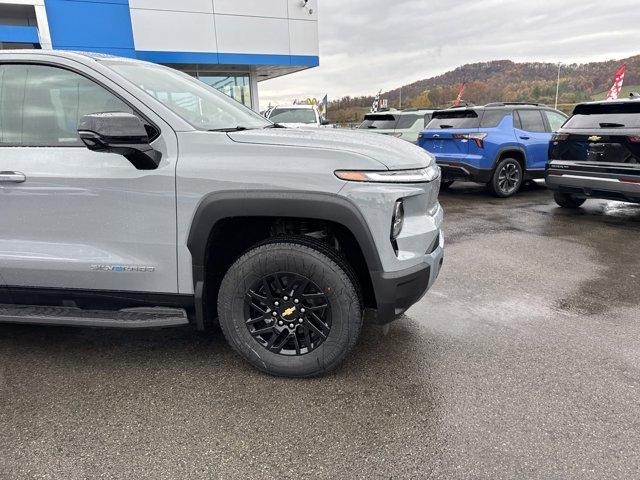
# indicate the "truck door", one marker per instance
pixel 73 218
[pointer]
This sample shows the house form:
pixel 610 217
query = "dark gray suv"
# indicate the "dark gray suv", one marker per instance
pixel 596 154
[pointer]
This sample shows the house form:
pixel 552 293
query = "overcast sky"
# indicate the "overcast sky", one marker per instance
pixel 368 45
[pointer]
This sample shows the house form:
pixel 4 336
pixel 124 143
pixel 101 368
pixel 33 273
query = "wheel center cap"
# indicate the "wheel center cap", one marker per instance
pixel 289 312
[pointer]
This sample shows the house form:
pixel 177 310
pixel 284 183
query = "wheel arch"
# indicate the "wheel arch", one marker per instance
pixel 217 214
pixel 513 151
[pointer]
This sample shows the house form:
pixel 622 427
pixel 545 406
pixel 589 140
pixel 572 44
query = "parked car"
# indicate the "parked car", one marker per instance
pixel 596 154
pixel 499 144
pixel 133 195
pixel 403 124
pixel 295 116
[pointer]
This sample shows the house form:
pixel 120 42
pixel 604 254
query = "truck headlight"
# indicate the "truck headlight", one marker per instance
pixel 398 220
pixel 420 175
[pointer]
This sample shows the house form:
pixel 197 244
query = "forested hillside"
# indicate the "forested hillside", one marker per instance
pixel 501 80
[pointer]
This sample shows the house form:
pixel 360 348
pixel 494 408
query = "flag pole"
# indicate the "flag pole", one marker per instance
pixel 558 84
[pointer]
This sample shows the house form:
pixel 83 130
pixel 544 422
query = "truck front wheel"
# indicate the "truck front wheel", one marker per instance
pixel 290 309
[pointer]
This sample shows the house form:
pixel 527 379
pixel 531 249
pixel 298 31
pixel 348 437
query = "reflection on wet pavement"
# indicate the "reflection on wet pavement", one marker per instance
pixel 523 362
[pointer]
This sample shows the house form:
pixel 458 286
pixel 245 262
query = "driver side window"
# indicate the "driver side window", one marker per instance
pixel 41 105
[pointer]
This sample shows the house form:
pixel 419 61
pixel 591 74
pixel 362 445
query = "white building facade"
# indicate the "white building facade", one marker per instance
pixel 229 44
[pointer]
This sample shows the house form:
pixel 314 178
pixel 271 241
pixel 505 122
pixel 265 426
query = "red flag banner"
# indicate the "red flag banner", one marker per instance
pixel 458 100
pixel 614 93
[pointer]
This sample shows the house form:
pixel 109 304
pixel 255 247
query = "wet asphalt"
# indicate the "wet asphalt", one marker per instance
pixel 522 362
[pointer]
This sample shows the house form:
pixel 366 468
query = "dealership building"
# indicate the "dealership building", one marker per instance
pixel 229 44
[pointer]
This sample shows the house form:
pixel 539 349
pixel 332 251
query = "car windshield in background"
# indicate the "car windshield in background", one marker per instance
pixel 382 122
pixel 199 104
pixel 455 119
pixel 613 115
pixel 293 115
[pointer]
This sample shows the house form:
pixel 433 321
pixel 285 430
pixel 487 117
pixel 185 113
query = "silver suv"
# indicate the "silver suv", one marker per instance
pixel 134 196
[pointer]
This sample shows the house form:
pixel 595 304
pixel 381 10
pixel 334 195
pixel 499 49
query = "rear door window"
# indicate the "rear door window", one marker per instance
pixel 381 122
pixel 406 121
pixel 455 119
pixel 492 118
pixel 531 121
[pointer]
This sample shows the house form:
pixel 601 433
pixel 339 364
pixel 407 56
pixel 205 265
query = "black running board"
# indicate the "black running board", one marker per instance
pixel 131 318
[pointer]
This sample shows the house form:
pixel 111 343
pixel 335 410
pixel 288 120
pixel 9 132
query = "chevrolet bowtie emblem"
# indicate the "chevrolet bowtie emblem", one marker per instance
pixel 288 311
pixel 595 138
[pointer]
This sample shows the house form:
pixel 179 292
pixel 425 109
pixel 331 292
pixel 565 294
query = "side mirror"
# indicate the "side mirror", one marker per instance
pixel 325 122
pixel 120 133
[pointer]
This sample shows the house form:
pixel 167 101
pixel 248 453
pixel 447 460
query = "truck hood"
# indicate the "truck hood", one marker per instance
pixel 299 125
pixel 392 153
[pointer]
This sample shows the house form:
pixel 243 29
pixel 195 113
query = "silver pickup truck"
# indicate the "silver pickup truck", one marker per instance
pixel 134 196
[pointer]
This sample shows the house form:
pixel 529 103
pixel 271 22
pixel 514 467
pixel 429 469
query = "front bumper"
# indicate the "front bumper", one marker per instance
pixel 615 182
pixel 408 267
pixel 397 291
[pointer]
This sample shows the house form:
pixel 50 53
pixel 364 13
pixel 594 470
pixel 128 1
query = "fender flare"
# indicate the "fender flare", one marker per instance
pixel 510 148
pixel 289 204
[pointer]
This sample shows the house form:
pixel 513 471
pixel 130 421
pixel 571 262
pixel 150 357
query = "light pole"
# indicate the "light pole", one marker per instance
pixel 558 84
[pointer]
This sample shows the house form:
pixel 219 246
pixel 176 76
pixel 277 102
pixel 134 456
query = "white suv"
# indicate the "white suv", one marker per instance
pixel 402 124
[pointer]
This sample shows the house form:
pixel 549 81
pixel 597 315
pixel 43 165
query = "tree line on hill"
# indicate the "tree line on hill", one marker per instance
pixel 495 81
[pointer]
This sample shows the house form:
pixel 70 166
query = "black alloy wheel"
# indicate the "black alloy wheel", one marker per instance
pixel 291 307
pixel 507 178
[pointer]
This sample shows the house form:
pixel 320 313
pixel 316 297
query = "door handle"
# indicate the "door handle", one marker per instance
pixel 12 177
pixel 525 138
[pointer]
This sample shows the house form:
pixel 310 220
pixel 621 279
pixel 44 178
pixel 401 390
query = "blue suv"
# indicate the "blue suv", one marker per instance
pixel 500 144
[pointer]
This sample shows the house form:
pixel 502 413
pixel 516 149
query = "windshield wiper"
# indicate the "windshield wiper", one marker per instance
pixel 275 125
pixel 611 125
pixel 229 129
pixel 371 126
pixel 446 126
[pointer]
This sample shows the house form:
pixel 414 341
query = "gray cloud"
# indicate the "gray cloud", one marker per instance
pixel 367 45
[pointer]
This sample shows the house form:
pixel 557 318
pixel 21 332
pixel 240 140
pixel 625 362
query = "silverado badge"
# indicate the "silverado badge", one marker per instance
pixel 594 138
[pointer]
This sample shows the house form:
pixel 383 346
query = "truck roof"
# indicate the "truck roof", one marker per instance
pixel 69 54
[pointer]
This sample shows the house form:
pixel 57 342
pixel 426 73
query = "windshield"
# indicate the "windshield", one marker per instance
pixel 293 115
pixel 199 104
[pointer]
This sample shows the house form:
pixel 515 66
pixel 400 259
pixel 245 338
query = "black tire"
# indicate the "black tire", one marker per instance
pixel 566 200
pixel 507 178
pixel 322 340
pixel 445 184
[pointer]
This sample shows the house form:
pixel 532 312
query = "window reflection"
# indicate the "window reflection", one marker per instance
pixel 236 86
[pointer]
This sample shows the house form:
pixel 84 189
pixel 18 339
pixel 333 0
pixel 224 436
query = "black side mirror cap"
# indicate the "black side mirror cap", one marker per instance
pixel 120 133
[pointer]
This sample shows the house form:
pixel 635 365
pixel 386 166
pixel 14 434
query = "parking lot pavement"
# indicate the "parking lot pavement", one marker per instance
pixel 523 362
